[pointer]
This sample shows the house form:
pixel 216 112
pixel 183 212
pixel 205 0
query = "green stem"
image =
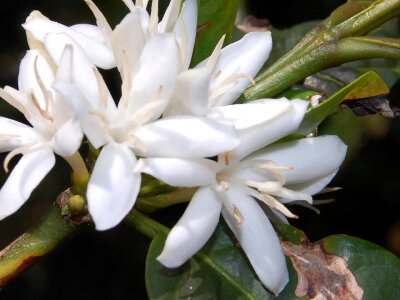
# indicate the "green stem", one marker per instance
pixel 327 45
pixel 150 204
pixel 144 224
pixel 34 244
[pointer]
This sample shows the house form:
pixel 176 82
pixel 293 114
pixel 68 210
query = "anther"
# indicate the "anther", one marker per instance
pixel 238 216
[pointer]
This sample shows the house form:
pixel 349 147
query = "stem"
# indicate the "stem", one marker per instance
pixel 34 244
pixel 144 224
pixel 150 204
pixel 324 47
pixel 80 174
pixel 78 165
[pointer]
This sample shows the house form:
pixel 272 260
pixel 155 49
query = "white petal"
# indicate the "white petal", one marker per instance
pixel 187 137
pixel 181 172
pixel 251 114
pixel 27 81
pixel 245 56
pixel 15 134
pixel 155 73
pixel 193 229
pixel 83 75
pixel 99 53
pixel 128 36
pixel 311 187
pixel 91 125
pixel 310 158
pixel 190 96
pixel 68 138
pixel 24 178
pixel 259 136
pixel 258 240
pixel 91 31
pixel 113 186
pixel 189 17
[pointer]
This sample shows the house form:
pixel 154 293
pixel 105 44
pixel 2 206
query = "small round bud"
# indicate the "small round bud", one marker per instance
pixel 77 205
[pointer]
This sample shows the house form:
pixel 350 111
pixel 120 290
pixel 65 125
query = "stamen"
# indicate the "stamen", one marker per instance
pixel 293 195
pixel 100 20
pixel 103 90
pixel 227 157
pixel 126 81
pixel 101 116
pixel 146 112
pixel 231 79
pixel 238 216
pixel 142 3
pixel 212 61
pixel 15 152
pixel 13 101
pixel 269 165
pixel 224 185
pixel 7 137
pixel 153 16
pixel 272 202
pixel 157 94
pixel 270 187
pixel 45 92
pixel 129 4
pixel 43 113
pixel 330 189
pixel 182 46
pixel 280 178
pixel 323 201
pixel 138 144
pixel 215 75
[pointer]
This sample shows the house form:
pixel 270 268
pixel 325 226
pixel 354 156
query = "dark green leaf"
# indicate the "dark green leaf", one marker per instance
pixel 376 269
pixel 221 270
pixel 216 18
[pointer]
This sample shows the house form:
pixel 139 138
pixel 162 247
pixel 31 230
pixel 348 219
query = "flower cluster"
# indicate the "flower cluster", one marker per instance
pixel 169 121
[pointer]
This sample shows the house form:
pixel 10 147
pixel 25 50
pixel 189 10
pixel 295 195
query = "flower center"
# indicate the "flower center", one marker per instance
pixel 253 174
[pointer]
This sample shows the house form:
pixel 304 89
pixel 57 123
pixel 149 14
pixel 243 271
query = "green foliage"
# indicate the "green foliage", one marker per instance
pixel 221 271
pixel 376 269
pixel 216 18
pixel 316 115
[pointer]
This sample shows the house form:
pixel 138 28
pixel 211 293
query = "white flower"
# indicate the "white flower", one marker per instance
pixel 53 129
pixel 104 46
pixel 275 175
pixel 133 127
pixel 222 78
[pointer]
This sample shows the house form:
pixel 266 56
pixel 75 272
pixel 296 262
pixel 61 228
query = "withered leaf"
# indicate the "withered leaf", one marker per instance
pixel 321 275
pixel 373 105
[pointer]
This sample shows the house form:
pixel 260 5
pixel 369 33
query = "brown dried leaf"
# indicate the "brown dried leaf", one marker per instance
pixel 251 23
pixel 321 275
pixel 373 105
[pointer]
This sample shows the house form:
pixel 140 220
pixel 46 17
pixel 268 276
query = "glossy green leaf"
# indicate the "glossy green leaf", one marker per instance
pixel 315 116
pixel 216 18
pixel 376 269
pixel 221 270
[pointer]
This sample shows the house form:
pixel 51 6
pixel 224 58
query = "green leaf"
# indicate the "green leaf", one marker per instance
pixel 369 84
pixel 221 270
pixel 376 269
pixel 216 18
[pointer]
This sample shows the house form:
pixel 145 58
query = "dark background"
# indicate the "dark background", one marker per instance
pixel 110 265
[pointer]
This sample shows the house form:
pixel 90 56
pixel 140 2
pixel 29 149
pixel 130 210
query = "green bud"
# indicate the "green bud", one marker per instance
pixel 77 205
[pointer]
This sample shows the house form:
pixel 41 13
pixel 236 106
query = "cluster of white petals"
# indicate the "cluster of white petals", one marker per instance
pixel 169 120
pixel 53 129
